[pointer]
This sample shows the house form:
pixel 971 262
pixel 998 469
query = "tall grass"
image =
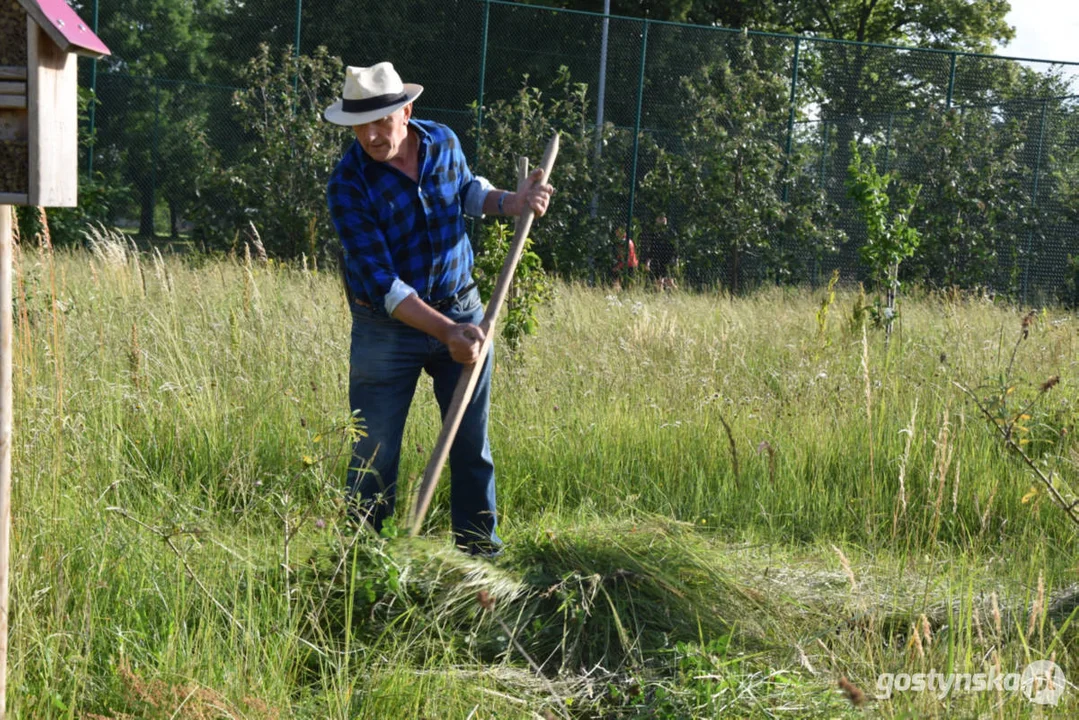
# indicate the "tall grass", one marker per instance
pixel 714 506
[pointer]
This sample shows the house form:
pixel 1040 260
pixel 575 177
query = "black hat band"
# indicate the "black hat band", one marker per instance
pixel 372 103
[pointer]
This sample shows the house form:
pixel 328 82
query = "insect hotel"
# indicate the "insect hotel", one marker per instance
pixel 39 42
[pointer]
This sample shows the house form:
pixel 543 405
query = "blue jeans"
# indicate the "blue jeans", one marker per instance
pixel 385 363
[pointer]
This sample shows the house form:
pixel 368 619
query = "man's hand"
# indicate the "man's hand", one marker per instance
pixel 532 193
pixel 464 341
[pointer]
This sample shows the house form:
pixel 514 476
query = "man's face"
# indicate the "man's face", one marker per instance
pixel 384 139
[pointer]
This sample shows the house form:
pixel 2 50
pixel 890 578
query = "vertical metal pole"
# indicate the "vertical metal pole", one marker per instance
pixel 951 81
pixel 637 132
pixel 153 165
pixel 483 76
pixel 93 108
pixel 296 48
pixel 602 92
pixel 299 26
pixel 825 132
pixel 794 100
pixel 6 423
pixel 1034 201
pixel 601 96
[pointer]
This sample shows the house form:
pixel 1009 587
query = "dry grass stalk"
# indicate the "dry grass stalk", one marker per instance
pixel 942 461
pixel 134 358
pixel 161 272
pixel 978 625
pixel 109 246
pixel 927 631
pixel 955 486
pixel 916 640
pixel 901 508
pixel 995 605
pixel 256 240
pixel 44 236
pixel 765 446
pixel 803 660
pixel 847 570
pixel 1037 609
pixel 988 507
pixel 733 447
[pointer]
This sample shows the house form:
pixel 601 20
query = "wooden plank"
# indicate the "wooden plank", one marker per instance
pixel 17 102
pixel 53 109
pixel 12 88
pixel 6 427
pixel 14 199
pixel 8 72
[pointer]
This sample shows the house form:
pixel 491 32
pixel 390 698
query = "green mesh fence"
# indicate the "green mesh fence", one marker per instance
pixel 728 151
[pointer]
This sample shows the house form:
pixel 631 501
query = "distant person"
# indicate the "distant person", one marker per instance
pixel 625 254
pixel 398 199
pixel 658 249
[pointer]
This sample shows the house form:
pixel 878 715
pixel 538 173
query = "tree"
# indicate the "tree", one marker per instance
pixel 155 43
pixel 571 238
pixel 890 238
pixel 279 180
pixel 733 219
pixel 974 25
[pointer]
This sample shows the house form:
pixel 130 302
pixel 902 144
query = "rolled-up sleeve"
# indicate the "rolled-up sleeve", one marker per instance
pixel 366 250
pixel 474 194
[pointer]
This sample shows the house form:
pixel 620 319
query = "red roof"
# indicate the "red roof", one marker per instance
pixel 64 27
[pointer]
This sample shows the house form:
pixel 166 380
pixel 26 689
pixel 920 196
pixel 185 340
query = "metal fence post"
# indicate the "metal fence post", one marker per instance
pixel 483 77
pixel 296 50
pixel 93 108
pixel 153 165
pixel 1034 202
pixel 601 95
pixel 951 80
pixel 299 25
pixel 637 132
pixel 790 119
pixel 826 136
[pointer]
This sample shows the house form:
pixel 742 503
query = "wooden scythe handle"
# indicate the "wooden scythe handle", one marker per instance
pixel 470 374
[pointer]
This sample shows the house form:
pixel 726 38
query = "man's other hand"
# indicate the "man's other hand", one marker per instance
pixel 464 341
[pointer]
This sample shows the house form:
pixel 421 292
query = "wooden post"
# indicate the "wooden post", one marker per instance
pixel 470 374
pixel 6 220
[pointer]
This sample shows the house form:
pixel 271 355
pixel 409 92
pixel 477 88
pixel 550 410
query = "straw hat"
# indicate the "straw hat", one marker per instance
pixel 371 93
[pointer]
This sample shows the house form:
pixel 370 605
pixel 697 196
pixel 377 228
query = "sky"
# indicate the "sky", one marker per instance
pixel 1044 29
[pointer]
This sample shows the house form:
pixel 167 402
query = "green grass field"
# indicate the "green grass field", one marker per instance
pixel 713 507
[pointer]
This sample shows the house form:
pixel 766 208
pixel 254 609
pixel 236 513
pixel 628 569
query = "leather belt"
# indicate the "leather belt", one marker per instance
pixel 447 302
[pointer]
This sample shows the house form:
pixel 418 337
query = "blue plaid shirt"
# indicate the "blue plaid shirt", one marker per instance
pixel 401 236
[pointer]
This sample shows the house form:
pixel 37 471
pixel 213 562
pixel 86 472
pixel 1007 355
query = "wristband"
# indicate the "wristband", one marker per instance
pixel 501 199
